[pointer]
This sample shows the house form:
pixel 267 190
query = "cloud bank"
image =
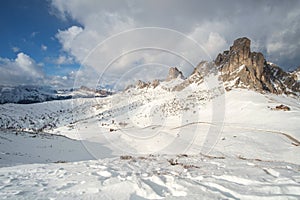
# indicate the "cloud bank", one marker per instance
pixel 111 43
pixel 23 70
pixel 273 26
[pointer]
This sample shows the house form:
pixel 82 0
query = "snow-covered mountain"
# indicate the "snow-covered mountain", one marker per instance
pixel 26 94
pixel 296 74
pixel 230 130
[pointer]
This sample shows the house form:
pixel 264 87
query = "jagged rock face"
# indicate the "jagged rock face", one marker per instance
pixel 203 69
pixel 174 73
pixel 240 67
pixel 296 74
pixel 281 81
pixel 240 55
pixel 155 83
pixel 96 91
pixel 140 84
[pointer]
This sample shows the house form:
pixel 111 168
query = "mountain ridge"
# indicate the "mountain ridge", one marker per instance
pixel 27 94
pixel 239 67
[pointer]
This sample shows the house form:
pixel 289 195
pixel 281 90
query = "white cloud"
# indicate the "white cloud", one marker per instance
pixel 15 49
pixel 272 26
pixel 215 44
pixel 22 70
pixel 44 47
pixel 207 35
pixel 67 37
pixel 28 66
pixel 33 34
pixel 62 59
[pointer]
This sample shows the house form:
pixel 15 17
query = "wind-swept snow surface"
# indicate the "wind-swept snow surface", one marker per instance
pixel 153 177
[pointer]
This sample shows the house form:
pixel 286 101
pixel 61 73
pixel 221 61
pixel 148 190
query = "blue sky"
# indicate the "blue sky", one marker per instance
pixel 28 26
pixel 47 42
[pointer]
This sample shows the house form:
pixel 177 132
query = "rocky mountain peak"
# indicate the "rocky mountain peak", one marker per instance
pixel 240 67
pixel 141 84
pixel 174 73
pixel 241 44
pixel 240 54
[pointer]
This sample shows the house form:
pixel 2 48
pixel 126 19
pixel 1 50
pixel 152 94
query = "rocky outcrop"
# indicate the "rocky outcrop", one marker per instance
pixel 141 84
pixel 240 62
pixel 296 74
pixel 155 83
pixel 96 91
pixel 282 107
pixel 240 67
pixel 203 70
pixel 174 73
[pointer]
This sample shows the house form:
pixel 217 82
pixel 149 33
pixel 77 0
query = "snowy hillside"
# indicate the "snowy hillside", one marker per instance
pixel 179 146
pixel 161 124
pixel 216 134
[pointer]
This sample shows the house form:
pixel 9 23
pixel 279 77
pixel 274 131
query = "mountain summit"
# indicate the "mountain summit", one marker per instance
pixel 174 73
pixel 239 67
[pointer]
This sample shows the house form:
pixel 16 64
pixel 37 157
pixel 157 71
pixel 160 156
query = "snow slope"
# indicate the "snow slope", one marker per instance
pixel 28 148
pixel 179 124
pixel 199 142
pixel 153 177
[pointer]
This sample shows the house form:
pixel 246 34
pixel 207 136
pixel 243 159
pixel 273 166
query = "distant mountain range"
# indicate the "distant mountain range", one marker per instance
pixel 237 67
pixel 26 94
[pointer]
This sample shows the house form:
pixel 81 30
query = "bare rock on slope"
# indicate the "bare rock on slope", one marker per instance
pixel 141 84
pixel 174 73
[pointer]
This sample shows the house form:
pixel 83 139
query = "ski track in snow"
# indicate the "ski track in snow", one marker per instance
pixel 294 141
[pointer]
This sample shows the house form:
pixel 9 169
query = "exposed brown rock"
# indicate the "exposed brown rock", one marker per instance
pixel 282 107
pixel 296 74
pixel 204 68
pixel 250 70
pixel 155 83
pixel 140 84
pixel 174 73
pixel 126 157
pixel 96 91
